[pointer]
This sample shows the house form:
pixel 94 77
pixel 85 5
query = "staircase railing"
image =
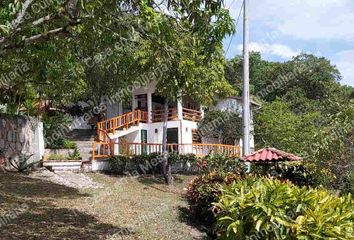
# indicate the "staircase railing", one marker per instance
pixel 121 122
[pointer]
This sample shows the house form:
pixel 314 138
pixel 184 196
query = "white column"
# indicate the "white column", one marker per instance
pixel 180 109
pixel 120 108
pixel 134 103
pixel 149 106
pixel 116 146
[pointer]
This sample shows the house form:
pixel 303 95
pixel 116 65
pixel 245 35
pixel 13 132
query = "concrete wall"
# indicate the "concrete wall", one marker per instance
pixel 19 134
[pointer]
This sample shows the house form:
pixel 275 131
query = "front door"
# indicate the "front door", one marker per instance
pixel 172 138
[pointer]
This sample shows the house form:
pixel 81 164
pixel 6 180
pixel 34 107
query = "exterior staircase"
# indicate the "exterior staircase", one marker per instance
pixel 121 125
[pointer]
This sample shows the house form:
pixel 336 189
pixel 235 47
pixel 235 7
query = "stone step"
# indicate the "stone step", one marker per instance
pixel 56 166
pixel 82 135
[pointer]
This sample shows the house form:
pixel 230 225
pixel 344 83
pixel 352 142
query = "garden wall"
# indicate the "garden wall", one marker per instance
pixel 20 134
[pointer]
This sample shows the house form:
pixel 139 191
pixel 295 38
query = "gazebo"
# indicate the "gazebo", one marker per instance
pixel 268 157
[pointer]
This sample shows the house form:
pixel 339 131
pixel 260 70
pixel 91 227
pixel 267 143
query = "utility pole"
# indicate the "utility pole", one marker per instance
pixel 246 87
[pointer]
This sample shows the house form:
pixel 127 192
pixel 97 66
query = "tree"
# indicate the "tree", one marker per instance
pixel 224 126
pixel 72 46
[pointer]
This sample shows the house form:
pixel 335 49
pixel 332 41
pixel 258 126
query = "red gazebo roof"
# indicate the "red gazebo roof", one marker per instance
pixel 270 155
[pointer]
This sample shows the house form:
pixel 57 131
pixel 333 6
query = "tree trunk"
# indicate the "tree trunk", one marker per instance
pixel 166 165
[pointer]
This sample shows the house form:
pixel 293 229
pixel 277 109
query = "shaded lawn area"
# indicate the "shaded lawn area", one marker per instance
pixel 126 208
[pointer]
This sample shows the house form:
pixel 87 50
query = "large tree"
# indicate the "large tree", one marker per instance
pixel 306 111
pixel 89 49
pixel 68 45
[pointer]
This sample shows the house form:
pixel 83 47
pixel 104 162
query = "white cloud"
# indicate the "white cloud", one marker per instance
pixel 278 50
pixel 345 64
pixel 304 19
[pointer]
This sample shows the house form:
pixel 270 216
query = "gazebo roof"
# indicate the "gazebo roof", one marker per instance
pixel 270 155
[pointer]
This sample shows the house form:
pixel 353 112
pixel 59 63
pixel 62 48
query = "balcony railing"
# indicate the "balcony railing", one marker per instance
pixel 107 150
pixel 158 115
pixel 192 115
pixel 188 114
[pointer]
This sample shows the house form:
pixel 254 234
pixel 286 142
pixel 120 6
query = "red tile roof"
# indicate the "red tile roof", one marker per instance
pixel 270 155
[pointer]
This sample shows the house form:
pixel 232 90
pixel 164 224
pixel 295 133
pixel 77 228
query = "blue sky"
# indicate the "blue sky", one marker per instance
pixel 281 29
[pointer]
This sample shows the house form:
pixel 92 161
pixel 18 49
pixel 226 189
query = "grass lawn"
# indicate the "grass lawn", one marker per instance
pixel 126 208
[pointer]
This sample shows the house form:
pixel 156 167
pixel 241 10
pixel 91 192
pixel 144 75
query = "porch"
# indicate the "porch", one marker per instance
pixel 183 109
pixel 102 150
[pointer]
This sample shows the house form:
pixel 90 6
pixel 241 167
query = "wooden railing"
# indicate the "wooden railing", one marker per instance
pixel 192 115
pixel 188 114
pixel 158 115
pixel 118 123
pixel 106 150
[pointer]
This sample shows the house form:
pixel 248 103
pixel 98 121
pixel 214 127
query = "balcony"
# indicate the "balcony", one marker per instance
pixel 172 115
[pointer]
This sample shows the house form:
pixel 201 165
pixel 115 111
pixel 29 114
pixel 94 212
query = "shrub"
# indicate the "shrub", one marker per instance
pixel 62 144
pixel 75 155
pixel 203 191
pixel 147 163
pixel 219 162
pixel 23 163
pixel 51 125
pixel 56 157
pixel 271 209
pixel 118 164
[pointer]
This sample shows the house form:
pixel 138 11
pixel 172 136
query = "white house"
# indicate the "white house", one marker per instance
pixel 234 104
pixel 137 128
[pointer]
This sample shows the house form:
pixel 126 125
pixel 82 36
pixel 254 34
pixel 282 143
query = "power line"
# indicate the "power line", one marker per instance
pixel 237 22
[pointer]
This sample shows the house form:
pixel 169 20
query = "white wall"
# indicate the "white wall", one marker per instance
pixel 134 137
pixel 234 105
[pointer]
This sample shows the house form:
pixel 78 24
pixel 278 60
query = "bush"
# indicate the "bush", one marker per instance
pixel 51 125
pixel 203 191
pixel 148 163
pixel 75 155
pixel 62 144
pixel 270 209
pixel 118 164
pixel 218 162
pixel 23 164
pixel 56 157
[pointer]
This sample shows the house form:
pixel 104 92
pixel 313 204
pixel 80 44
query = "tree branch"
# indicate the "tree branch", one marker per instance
pixel 39 37
pixel 19 19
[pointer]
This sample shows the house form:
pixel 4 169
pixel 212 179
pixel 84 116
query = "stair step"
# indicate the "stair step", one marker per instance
pixel 57 166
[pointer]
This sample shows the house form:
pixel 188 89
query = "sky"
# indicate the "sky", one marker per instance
pixel 281 29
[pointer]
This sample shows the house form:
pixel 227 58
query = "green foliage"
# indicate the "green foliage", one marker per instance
pixel 304 111
pixel 56 157
pixel 62 144
pixel 225 126
pixel 117 43
pixel 75 155
pixel 203 191
pixel 149 163
pixel 23 164
pixel 118 164
pixel 324 142
pixel 269 209
pixel 277 126
pixel 55 128
pixel 219 162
